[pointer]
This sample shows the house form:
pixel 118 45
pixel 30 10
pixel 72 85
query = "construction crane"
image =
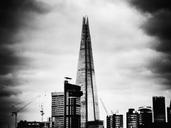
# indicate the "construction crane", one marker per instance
pixel 104 106
pixel 42 112
pixel 15 113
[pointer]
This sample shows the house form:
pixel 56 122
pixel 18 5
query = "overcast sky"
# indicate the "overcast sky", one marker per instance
pixel 40 45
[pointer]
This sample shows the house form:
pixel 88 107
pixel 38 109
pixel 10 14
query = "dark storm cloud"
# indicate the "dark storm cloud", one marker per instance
pixel 14 15
pixel 159 26
pixel 151 6
pixel 7 92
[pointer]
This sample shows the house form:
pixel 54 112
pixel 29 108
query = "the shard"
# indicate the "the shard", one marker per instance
pixel 86 78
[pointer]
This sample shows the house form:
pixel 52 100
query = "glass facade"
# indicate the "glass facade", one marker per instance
pixel 86 78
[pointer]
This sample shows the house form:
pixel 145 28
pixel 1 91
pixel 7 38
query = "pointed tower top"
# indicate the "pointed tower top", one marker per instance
pixel 85 20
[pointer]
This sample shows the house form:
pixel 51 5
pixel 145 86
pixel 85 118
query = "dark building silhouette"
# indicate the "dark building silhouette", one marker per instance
pixel 132 119
pixel 169 115
pixel 159 109
pixel 72 116
pixel 33 124
pixel 86 79
pixel 109 121
pixel 95 124
pixel 114 121
pixel 159 115
pixel 145 117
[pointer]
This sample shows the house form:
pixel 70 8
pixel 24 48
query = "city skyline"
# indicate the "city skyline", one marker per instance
pixel 131 61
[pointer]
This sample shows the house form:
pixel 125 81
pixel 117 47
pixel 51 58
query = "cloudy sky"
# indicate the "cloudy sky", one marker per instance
pixel 39 46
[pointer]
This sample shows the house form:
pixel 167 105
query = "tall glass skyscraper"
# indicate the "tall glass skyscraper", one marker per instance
pixel 86 78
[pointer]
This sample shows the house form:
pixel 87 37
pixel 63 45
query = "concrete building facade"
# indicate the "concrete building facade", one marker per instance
pixel 58 109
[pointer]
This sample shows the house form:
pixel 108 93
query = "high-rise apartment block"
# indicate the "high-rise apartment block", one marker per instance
pixel 132 119
pixel 114 121
pixel 58 109
pixel 145 117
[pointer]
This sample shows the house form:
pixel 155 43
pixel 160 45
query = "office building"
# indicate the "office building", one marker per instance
pixel 145 117
pixel 169 115
pixel 132 119
pixel 114 121
pixel 86 79
pixel 72 115
pixel 159 115
pixel 159 112
pixel 58 109
pixel 109 121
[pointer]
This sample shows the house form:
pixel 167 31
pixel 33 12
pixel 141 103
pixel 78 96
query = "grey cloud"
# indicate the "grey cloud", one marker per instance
pixel 158 26
pixel 13 17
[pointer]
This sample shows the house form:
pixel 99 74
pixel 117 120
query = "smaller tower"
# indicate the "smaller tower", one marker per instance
pixel 72 116
pixel 159 109
pixel 159 112
pixel 169 115
pixel 58 109
pixel 115 121
pixel 132 118
pixel 145 117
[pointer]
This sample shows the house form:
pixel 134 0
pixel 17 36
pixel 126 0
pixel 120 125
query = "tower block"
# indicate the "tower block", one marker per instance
pixel 86 79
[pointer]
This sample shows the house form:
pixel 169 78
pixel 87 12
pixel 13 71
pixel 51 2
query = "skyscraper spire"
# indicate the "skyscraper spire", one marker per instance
pixel 86 77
